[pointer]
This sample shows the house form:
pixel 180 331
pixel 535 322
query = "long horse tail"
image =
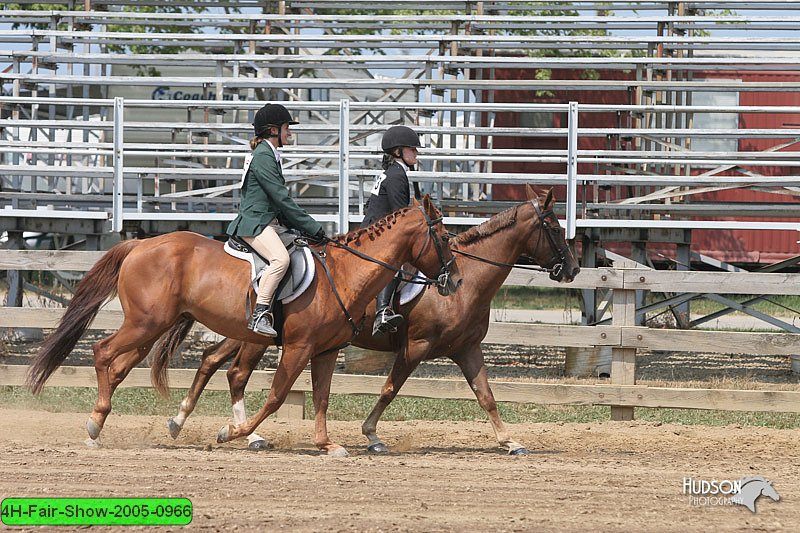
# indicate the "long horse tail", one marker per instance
pixel 163 351
pixel 99 284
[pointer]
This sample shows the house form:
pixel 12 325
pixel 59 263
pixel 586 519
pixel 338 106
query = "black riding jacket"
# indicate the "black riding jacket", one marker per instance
pixel 390 193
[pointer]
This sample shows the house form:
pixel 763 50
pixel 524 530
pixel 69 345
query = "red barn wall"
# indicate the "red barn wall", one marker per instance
pixel 750 246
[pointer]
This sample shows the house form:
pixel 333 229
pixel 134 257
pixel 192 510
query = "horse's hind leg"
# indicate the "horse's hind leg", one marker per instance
pixel 403 365
pixel 115 356
pixel 322 367
pixel 213 358
pixel 239 374
pixel 472 366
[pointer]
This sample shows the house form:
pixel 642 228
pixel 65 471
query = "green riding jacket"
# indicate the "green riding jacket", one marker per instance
pixel 266 197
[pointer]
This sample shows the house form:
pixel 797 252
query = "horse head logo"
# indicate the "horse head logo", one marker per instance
pixel 752 488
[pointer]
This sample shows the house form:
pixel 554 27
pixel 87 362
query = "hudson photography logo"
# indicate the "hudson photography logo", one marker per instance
pixel 745 491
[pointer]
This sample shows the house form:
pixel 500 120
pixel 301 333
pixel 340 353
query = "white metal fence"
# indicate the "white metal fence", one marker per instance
pixel 58 165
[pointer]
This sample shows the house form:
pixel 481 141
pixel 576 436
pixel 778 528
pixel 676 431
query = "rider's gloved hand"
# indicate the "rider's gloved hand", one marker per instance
pixel 320 235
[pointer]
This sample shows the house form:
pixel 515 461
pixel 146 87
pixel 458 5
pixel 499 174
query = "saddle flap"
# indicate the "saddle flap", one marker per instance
pixel 298 276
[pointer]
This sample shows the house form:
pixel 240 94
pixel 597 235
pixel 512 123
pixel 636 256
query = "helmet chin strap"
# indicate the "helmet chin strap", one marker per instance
pixel 271 135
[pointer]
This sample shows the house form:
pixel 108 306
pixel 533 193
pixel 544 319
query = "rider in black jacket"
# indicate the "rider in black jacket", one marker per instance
pixel 391 192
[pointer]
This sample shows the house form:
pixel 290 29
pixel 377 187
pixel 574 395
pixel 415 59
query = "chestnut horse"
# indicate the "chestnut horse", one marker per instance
pixel 168 282
pixel 452 327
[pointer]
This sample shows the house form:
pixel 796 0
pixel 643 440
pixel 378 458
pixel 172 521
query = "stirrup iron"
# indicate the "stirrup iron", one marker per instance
pixel 386 321
pixel 262 321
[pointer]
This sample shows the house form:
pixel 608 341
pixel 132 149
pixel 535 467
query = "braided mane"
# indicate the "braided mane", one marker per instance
pixel 500 221
pixel 373 230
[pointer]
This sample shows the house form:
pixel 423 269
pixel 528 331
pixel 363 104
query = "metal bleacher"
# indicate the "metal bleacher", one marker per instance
pixel 88 144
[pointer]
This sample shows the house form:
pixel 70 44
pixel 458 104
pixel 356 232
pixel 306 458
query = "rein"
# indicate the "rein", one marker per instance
pixel 402 274
pixel 501 264
pixel 544 228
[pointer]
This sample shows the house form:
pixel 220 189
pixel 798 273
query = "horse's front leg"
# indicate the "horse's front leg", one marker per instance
pixel 471 364
pixel 212 359
pixel 405 362
pixel 238 375
pixel 292 363
pixel 322 367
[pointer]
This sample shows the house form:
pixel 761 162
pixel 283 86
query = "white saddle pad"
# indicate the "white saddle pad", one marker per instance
pixel 297 278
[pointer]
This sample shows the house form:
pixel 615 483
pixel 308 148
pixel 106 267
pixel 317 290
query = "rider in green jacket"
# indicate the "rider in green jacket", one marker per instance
pixel 266 210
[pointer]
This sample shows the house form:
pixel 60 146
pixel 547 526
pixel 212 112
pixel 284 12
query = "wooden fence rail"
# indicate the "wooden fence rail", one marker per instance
pixel 623 336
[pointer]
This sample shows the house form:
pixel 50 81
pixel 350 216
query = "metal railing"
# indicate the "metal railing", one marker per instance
pixel 344 149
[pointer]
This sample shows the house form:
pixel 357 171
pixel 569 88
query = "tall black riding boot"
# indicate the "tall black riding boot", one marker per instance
pixel 386 320
pixel 261 321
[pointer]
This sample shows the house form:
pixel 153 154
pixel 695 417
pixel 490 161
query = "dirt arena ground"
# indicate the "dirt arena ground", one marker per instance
pixel 441 476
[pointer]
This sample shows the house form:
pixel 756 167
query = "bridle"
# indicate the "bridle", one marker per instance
pixel 559 252
pixel 443 278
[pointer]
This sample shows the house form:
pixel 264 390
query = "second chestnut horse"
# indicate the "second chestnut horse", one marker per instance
pixel 453 327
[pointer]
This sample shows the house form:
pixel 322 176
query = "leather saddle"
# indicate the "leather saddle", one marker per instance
pixel 298 276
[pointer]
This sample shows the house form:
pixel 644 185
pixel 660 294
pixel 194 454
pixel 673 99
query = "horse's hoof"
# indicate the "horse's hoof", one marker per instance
pixel 259 445
pixel 92 443
pixel 222 434
pixel 338 452
pixel 93 429
pixel 519 451
pixel 174 428
pixel 378 447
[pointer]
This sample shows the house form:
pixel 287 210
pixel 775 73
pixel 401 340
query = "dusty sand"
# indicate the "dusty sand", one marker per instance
pixel 441 476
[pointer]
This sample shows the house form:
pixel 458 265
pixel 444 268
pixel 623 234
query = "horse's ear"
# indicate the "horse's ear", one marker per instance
pixel 530 193
pixel 550 200
pixel 414 202
pixel 426 203
pixel 430 207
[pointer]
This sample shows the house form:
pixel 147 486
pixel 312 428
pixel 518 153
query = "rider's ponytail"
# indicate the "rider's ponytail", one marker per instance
pixel 389 157
pixel 255 141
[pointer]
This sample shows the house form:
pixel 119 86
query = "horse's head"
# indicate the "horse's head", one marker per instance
pixel 752 488
pixel 769 491
pixel 760 486
pixel 548 246
pixel 432 255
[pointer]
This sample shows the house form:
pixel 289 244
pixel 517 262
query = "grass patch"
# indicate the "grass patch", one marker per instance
pixel 140 401
pixel 539 298
pixel 127 401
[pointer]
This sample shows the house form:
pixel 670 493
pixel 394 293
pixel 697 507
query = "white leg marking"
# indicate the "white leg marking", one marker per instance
pixel 240 417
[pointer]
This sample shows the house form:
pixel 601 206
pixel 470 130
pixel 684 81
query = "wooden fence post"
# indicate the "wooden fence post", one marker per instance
pixel 294 407
pixel 623 360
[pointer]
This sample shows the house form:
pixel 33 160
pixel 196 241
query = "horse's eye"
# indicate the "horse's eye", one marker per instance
pixel 446 238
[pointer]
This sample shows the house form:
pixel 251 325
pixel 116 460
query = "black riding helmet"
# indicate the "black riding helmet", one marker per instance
pixel 399 136
pixel 271 115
